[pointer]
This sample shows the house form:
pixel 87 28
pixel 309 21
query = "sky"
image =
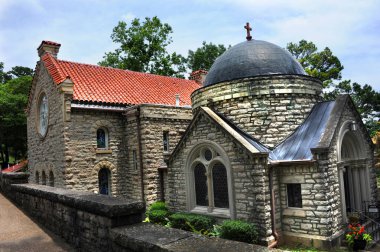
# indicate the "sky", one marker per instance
pixel 350 28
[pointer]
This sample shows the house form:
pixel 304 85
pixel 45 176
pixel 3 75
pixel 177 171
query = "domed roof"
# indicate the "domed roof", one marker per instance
pixel 252 58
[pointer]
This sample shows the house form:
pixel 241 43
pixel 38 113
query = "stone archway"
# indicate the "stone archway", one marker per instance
pixel 104 172
pixel 353 172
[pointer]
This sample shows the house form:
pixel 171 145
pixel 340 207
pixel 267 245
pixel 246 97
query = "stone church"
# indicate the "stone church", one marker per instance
pixel 251 139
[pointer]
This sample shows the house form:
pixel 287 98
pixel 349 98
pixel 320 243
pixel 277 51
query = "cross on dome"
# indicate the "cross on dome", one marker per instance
pixel 248 28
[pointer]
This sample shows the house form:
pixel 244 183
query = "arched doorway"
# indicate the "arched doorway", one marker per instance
pixel 353 172
pixel 104 181
pixel 51 178
pixel 43 178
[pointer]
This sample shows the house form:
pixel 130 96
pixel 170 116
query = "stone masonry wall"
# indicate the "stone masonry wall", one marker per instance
pixel 268 108
pixel 154 120
pixel 83 219
pixel 45 154
pixel 250 185
pixel 314 216
pixel 82 158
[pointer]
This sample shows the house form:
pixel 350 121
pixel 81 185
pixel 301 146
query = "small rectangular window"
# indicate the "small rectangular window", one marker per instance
pixel 166 140
pixel 294 195
pixel 134 159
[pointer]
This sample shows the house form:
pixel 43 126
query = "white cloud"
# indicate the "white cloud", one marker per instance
pixel 128 17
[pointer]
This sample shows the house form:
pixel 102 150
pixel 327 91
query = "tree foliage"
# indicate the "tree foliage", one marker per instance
pixel 204 56
pixel 322 65
pixel 143 48
pixel 14 91
pixel 327 67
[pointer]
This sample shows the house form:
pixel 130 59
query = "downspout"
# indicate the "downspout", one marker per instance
pixel 140 152
pixel 273 209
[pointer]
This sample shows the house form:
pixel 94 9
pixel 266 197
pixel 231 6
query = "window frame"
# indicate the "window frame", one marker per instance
pixel 165 141
pixel 106 139
pixel 195 157
pixel 294 197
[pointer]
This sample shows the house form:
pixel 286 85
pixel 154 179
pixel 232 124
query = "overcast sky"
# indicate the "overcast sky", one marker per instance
pixel 350 28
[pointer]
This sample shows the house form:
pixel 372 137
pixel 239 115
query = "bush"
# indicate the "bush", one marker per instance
pixel 158 216
pixel 192 222
pixel 238 231
pixel 159 205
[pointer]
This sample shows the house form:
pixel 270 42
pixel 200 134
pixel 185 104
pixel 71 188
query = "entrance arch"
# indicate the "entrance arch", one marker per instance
pixel 104 181
pixel 353 172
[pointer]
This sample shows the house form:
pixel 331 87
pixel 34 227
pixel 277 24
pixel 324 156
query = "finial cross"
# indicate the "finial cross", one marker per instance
pixel 248 28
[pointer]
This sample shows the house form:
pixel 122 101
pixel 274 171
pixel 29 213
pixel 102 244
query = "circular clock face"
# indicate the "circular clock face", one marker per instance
pixel 43 115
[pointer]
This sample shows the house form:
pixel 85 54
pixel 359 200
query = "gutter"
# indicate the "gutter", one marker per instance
pixel 273 209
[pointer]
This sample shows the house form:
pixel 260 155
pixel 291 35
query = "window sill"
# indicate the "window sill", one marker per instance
pixel 100 151
pixel 216 212
pixel 295 212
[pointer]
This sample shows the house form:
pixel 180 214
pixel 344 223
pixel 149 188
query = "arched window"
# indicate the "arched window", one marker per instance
pixel 51 179
pixel 209 181
pixel 200 180
pixel 220 185
pixel 37 177
pixel 43 178
pixel 104 181
pixel 102 138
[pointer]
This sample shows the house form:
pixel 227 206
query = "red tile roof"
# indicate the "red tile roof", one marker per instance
pixel 110 85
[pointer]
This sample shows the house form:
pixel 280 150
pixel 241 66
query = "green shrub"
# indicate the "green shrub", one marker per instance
pixel 159 205
pixel 238 231
pixel 158 216
pixel 191 222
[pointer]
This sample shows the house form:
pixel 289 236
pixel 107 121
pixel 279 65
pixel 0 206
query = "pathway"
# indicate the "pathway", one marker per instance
pixel 20 233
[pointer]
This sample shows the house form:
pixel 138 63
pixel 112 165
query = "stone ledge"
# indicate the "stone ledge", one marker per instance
pixel 93 203
pixel 99 151
pixel 150 237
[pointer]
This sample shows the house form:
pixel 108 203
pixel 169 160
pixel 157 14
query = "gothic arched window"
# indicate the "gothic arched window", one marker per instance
pixel 104 179
pixel 37 177
pixel 102 138
pixel 209 181
pixel 43 178
pixel 51 179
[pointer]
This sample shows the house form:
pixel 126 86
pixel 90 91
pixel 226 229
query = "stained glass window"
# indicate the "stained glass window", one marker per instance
pixel 103 181
pixel 101 138
pixel 208 155
pixel 200 185
pixel 220 186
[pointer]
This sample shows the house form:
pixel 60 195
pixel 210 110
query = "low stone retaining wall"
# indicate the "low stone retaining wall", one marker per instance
pixel 92 222
pixel 83 219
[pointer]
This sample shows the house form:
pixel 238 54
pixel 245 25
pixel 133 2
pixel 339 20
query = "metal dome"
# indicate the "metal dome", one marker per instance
pixel 252 58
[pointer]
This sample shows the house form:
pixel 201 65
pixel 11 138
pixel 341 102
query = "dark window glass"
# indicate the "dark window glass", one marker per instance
pixel 101 138
pixel 220 186
pixel 294 195
pixel 103 181
pixel 51 179
pixel 200 180
pixel 166 141
pixel 208 155
pixel 37 178
pixel 43 178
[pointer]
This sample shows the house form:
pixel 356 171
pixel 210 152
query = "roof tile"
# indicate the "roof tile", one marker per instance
pixel 110 85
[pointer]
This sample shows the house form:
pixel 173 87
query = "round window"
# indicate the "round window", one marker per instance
pixel 208 154
pixel 43 112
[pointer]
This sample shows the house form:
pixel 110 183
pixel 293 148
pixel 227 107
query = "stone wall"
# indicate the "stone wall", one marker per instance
pixel 249 175
pixel 45 154
pixel 83 219
pixel 83 159
pixel 154 121
pixel 268 108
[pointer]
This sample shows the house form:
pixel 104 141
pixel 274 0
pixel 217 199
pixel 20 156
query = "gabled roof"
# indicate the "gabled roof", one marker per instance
pixel 251 144
pixel 98 84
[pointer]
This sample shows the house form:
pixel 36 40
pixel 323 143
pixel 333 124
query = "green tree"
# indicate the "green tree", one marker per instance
pixel 327 67
pixel 322 65
pixel 13 101
pixel 204 57
pixel 4 76
pixel 143 48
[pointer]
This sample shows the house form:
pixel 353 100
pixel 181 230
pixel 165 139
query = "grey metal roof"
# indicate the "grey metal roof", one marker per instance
pixel 307 135
pixel 252 58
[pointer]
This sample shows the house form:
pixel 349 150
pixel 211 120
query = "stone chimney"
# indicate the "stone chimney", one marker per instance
pixel 48 47
pixel 198 76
